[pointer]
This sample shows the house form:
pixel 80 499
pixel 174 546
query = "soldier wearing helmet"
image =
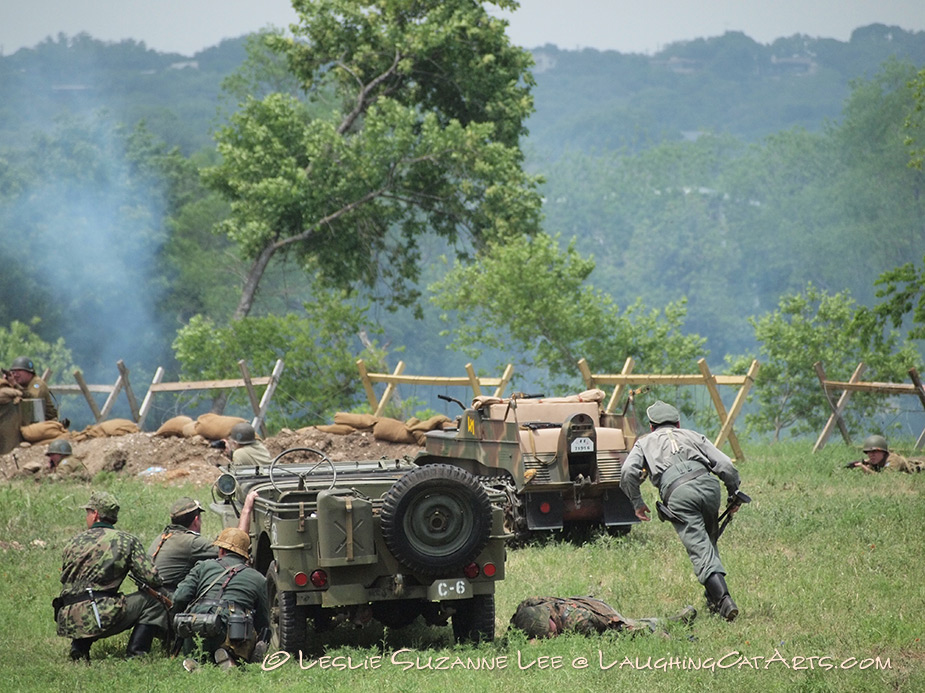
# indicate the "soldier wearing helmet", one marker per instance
pixel 228 587
pixel 22 374
pixel 546 617
pixel 243 448
pixel 175 552
pixel 876 451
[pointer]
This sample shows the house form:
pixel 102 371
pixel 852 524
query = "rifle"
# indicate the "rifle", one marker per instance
pixel 737 499
pixel 157 594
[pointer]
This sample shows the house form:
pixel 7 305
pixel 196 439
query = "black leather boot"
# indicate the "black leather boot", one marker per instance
pixel 140 641
pixel 718 599
pixel 80 649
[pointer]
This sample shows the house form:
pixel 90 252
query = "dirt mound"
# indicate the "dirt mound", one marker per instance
pixel 182 460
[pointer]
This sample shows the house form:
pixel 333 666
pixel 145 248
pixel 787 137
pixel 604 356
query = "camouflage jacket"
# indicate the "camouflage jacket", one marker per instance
pixel 99 559
pixel 204 585
pixel 580 614
pixel 177 550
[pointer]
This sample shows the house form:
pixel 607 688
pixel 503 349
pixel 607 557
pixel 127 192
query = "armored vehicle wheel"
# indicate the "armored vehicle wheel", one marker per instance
pixel 436 519
pixel 397 614
pixel 474 620
pixel 288 621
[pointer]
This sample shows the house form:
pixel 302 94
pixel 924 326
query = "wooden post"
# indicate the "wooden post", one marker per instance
pixel 389 390
pixel 737 404
pixel 628 366
pixel 710 382
pixel 149 397
pixel 838 408
pixel 85 389
pixel 132 402
pixel 259 421
pixel 914 375
pixel 473 381
pixel 367 383
pixel 505 379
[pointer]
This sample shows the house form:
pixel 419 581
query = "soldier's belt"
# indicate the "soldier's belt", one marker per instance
pixel 68 599
pixel 683 479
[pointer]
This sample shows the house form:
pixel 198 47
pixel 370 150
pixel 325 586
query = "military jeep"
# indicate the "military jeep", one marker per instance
pixel 355 541
pixel 557 465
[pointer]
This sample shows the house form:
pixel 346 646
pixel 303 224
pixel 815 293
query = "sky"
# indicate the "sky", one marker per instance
pixel 627 26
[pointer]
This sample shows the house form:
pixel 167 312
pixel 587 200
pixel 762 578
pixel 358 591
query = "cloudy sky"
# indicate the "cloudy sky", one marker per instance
pixel 628 26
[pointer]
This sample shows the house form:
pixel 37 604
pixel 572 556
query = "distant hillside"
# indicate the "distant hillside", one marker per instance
pixel 591 100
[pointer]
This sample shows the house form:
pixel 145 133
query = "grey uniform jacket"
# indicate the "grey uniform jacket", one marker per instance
pixel 653 451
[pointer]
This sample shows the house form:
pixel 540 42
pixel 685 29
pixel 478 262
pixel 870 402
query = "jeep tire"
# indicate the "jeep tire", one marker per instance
pixel 288 621
pixel 436 519
pixel 474 620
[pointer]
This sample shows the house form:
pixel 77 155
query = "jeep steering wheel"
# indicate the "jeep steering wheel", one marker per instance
pixel 302 475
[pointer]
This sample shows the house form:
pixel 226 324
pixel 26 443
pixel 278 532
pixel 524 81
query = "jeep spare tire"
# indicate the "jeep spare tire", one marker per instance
pixel 436 519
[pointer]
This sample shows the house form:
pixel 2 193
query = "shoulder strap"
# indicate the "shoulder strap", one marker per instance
pixel 164 537
pixel 204 592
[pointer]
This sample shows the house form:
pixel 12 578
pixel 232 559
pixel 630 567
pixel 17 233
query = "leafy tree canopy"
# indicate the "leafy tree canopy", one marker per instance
pixel 422 136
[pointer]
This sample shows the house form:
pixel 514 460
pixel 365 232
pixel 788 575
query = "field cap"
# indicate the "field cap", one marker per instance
pixel 104 503
pixel 184 506
pixel 662 412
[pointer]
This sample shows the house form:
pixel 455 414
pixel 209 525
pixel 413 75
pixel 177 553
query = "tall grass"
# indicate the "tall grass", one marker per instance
pixel 826 566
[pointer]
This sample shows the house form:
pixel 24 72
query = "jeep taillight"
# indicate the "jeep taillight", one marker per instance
pixel 300 579
pixel 319 578
pixel 471 571
pixel 489 570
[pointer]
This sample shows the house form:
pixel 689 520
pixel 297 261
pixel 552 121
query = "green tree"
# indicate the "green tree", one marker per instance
pixel 422 136
pixel 318 346
pixel 915 121
pixel 530 298
pixel 812 326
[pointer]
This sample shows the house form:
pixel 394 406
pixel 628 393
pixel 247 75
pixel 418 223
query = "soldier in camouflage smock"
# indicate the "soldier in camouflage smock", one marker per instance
pixel 95 563
pixel 179 547
pixel 546 617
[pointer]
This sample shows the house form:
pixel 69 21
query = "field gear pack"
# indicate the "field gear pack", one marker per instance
pixel 211 624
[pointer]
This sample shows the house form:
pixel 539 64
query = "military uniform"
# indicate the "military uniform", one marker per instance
pixel 37 389
pixel 224 586
pixel 253 454
pixel 580 615
pixel 682 463
pixel 95 563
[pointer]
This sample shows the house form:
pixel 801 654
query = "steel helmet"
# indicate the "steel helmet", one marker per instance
pixel 23 363
pixel 243 433
pixel 532 620
pixel 59 447
pixel 875 442
pixel 234 540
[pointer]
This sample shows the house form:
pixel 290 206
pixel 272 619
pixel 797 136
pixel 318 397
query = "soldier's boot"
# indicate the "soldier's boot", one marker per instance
pixel 718 598
pixel 140 641
pixel 224 659
pixel 685 616
pixel 80 649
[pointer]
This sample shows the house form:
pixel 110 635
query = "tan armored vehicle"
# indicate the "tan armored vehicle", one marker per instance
pixel 351 541
pixel 551 457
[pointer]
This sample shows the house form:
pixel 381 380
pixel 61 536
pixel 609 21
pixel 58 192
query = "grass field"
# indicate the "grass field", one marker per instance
pixel 826 566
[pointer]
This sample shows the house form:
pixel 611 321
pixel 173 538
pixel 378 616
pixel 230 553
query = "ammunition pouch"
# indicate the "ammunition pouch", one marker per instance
pixel 187 624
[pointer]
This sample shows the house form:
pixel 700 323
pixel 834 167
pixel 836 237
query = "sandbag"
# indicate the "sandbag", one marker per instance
pixel 173 428
pixel 216 426
pixel 189 430
pixel 430 424
pixel 41 431
pixel 393 431
pixel 337 429
pixel 357 421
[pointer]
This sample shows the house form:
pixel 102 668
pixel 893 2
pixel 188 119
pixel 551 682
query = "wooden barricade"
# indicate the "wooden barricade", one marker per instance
pixel 259 407
pixel 706 378
pixel 854 384
pixel 112 392
pixel 396 378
